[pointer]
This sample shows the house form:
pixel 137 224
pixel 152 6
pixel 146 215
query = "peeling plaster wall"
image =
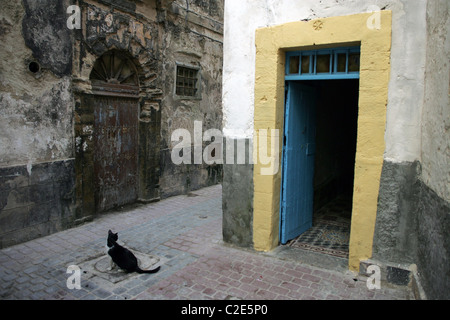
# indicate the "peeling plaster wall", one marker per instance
pixel 133 31
pixel 46 130
pixel 36 129
pixel 414 210
pixel 434 185
pixel 191 36
pixel 157 35
pixel 36 108
pixel 435 153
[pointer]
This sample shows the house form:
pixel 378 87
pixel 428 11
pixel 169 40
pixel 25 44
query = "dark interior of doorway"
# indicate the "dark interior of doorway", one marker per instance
pixel 336 132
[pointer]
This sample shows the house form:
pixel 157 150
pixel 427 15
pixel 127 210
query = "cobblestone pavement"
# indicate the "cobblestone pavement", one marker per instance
pixel 185 233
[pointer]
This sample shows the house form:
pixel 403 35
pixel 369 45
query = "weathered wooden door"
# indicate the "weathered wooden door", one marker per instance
pixel 116 151
pixel 115 105
pixel 298 161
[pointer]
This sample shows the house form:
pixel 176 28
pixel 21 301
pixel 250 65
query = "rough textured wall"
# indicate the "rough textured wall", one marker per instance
pixel 46 132
pixel 237 194
pixel 36 112
pixel 36 202
pixel 395 239
pixel 36 131
pixel 433 251
pixel 413 216
pixel 190 36
pixel 133 31
pixel 434 200
pixel 436 114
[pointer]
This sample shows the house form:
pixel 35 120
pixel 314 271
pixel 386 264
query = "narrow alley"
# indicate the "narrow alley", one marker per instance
pixel 182 234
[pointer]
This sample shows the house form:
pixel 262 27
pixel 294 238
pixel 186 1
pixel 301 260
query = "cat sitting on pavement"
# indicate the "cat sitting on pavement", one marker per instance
pixel 123 257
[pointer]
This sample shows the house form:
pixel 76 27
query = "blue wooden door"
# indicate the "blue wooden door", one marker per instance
pixel 298 161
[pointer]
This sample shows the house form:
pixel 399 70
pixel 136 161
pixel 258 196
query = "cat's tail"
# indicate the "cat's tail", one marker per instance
pixel 139 270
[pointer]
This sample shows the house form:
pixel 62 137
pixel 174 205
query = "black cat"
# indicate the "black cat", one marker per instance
pixel 123 257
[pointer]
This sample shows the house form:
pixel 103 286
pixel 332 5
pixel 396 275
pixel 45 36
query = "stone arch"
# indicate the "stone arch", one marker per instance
pixel 114 68
pixel 121 70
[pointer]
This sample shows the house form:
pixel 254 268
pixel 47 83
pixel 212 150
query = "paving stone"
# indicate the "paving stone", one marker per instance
pixel 102 293
pixel 186 233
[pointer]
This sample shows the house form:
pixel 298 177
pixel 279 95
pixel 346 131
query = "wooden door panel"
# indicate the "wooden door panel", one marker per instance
pixel 116 150
pixel 298 162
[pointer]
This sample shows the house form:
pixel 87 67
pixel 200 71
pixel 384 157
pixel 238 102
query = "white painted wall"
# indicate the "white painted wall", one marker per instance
pixel 406 88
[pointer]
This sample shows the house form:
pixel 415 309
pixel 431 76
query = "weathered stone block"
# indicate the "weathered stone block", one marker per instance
pixel 36 199
pixel 396 213
pixel 237 202
pixel 52 48
pixel 433 243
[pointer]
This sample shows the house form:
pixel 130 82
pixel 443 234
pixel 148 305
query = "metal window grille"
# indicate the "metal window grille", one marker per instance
pixel 186 84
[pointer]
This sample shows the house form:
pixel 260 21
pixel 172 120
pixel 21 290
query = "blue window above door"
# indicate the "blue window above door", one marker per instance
pixel 336 63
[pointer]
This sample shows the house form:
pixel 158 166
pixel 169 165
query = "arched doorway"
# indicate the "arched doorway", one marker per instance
pixel 108 135
pixel 116 110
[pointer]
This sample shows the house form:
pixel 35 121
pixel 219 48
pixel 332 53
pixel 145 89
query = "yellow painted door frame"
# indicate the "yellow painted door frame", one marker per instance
pixel 271 45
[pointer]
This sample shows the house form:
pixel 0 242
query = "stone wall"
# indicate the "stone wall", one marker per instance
pixel 434 193
pixel 395 237
pixel 46 131
pixel 132 30
pixel 412 228
pixel 190 36
pixel 433 250
pixel 237 194
pixel 35 201
pixel 35 86
pixel 36 124
pixel 414 210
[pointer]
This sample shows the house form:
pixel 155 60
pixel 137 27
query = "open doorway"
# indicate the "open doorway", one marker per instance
pixel 336 113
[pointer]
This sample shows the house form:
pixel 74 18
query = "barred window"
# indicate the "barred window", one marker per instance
pixel 187 81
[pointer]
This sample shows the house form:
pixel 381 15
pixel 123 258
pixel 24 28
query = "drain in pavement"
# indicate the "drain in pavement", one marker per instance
pixel 99 266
